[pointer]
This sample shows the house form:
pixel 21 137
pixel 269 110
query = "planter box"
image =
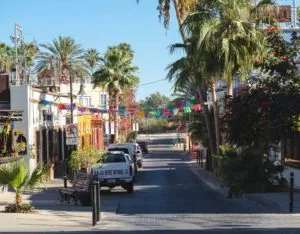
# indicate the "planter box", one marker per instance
pixel 85 198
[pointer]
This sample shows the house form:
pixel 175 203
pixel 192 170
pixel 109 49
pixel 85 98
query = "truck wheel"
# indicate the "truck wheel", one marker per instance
pixel 129 188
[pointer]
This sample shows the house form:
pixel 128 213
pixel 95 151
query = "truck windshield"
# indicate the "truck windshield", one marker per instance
pixel 124 150
pixel 113 158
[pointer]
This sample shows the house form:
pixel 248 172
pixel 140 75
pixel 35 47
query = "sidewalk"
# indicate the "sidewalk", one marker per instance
pixel 276 202
pixel 45 194
pixel 49 213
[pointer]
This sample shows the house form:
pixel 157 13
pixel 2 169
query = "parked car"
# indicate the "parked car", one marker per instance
pixel 127 148
pixel 139 155
pixel 116 169
pixel 144 146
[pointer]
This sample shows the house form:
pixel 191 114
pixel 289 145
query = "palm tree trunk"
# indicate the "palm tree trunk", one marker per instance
pixel 116 118
pixel 18 198
pixel 110 111
pixel 179 19
pixel 230 87
pixel 216 114
pixel 109 125
pixel 207 121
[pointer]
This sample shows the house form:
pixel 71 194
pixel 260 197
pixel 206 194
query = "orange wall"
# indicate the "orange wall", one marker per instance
pixel 90 131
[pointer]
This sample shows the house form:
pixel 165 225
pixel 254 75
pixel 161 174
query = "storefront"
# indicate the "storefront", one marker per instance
pixel 12 140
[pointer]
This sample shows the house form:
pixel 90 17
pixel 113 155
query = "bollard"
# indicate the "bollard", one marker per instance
pixel 201 158
pixel 98 200
pixel 94 215
pixel 65 181
pixel 198 157
pixel 291 203
pixel 208 159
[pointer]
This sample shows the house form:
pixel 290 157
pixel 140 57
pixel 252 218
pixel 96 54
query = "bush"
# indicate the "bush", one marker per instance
pixel 246 172
pixel 131 136
pixel 154 125
pixel 85 158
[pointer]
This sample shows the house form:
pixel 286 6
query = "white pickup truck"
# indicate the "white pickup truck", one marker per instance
pixel 116 169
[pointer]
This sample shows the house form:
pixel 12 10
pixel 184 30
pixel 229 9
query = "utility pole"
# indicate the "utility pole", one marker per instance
pixel 71 98
pixel 18 37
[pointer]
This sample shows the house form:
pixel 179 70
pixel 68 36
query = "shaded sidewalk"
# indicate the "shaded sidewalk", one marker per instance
pixel 275 202
pixel 50 213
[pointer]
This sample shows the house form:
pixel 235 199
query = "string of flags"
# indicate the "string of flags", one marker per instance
pixel 165 110
pixel 67 106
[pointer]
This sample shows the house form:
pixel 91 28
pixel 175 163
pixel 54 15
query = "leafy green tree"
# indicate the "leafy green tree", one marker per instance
pixel 153 101
pixel 17 176
pixel 115 73
pixel 272 99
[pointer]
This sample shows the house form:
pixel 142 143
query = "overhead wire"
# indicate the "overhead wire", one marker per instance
pixel 150 82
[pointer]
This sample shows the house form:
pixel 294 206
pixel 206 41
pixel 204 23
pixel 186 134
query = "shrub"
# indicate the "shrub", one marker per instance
pixel 131 136
pixel 84 158
pixel 246 172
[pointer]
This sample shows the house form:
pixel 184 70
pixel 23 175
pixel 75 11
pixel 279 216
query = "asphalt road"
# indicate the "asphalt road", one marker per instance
pixel 170 198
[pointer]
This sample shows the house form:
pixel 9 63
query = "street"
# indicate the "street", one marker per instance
pixel 168 198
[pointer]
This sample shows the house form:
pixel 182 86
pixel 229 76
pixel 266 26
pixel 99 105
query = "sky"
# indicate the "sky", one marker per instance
pixel 99 24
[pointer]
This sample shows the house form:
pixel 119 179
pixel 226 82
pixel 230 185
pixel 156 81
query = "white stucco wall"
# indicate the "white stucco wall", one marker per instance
pixel 95 94
pixel 27 99
pixel 20 101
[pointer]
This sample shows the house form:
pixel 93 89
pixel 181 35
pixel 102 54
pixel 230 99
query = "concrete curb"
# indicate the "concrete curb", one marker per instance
pixel 208 178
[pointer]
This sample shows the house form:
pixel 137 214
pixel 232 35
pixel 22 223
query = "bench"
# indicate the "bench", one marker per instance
pixel 80 190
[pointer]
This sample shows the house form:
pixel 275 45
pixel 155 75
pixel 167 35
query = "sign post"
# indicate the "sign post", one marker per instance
pixel 71 134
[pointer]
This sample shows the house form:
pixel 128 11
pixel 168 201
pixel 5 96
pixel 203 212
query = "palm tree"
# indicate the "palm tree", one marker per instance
pixel 71 61
pixel 188 74
pixel 17 176
pixel 27 51
pixel 207 51
pixel 182 9
pixel 229 32
pixel 116 72
pixel 6 60
pixel 92 57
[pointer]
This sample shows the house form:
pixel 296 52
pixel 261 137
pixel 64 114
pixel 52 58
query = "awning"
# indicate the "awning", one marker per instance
pixel 10 115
